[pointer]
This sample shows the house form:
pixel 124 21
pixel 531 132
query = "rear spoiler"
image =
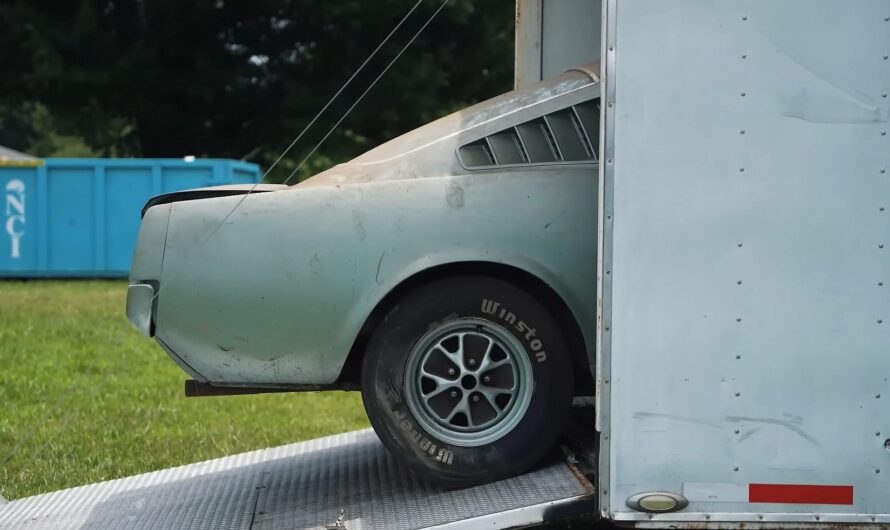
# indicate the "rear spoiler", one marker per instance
pixel 209 193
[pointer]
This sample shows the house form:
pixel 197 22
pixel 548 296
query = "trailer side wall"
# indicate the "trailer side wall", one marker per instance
pixel 745 318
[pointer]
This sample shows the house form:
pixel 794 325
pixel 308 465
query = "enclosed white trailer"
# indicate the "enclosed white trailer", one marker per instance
pixel 744 326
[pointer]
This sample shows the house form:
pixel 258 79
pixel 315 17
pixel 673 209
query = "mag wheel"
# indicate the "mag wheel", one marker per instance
pixel 467 380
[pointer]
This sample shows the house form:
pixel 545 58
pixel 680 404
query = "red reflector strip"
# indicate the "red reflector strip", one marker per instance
pixel 800 494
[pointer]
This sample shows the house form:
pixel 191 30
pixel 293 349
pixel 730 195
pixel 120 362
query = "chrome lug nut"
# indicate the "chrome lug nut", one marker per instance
pixel 476 398
pixel 454 393
pixel 472 362
pixel 486 379
pixel 451 371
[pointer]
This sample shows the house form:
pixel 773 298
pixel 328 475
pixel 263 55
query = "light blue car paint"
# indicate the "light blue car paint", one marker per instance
pixel 278 293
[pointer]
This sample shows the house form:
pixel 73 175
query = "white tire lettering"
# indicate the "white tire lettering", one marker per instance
pixel 490 307
pixel 439 454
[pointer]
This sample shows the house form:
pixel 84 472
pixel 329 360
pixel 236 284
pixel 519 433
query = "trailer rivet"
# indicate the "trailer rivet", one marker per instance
pixel 883 133
pixel 760 517
pixel 886 56
pixel 708 517
pixel 611 48
pixel 880 245
pixel 740 245
pixel 818 518
pixel 883 170
pixel 881 208
pixel 610 104
pixel 744 56
pixel 884 95
pixel 744 18
pixel 878 433
pixel 741 170
pixel 877 470
pixel 742 131
pixel 743 94
pixel 739 319
pixel 609 160
pixel 738 282
pixel 880 321
pixel 737 394
pixel 607 381
pixel 880 284
pixel 608 271
pixel 736 431
pixel 738 357
pixel 877 396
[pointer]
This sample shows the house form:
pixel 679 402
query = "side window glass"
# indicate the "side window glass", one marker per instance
pixel 567 135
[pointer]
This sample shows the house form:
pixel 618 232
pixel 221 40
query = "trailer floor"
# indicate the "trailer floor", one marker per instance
pixel 303 485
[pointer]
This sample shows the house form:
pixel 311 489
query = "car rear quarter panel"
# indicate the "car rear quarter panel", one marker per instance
pixel 278 292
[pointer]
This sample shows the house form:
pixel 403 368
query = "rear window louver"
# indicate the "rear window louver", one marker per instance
pixel 569 135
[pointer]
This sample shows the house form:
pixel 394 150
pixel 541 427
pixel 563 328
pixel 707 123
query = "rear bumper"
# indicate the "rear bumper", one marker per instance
pixel 140 299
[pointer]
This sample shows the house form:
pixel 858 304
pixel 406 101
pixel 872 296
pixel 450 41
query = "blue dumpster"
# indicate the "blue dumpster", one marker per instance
pixel 72 217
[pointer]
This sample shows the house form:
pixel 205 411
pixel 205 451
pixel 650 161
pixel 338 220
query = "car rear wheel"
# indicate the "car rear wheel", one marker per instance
pixel 467 380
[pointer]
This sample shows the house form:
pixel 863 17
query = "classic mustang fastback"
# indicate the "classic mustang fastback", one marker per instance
pixel 449 274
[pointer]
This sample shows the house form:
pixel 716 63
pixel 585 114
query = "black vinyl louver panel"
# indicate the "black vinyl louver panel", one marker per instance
pixel 569 135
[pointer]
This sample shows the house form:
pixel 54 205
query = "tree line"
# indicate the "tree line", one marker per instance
pixel 238 78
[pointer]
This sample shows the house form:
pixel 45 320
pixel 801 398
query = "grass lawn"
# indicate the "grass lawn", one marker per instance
pixel 85 398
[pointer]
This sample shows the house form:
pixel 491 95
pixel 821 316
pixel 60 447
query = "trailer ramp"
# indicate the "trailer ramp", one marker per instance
pixel 346 481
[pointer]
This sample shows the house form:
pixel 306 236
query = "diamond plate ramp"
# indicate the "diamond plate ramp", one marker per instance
pixel 297 486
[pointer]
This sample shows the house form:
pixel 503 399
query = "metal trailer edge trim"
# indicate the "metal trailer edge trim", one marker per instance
pixel 752 519
pixel 604 254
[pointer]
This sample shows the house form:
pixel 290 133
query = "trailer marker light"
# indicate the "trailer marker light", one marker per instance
pixel 657 502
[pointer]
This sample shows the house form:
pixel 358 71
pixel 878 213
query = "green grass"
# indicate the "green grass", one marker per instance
pixel 85 398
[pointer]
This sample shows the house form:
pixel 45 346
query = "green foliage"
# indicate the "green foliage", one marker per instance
pixel 86 398
pixel 51 142
pixel 228 78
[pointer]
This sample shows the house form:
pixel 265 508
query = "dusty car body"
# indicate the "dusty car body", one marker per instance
pixel 278 287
